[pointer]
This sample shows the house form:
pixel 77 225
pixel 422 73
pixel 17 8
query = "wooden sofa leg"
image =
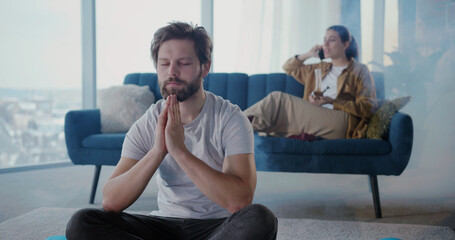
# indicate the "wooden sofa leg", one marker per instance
pixel 375 192
pixel 95 183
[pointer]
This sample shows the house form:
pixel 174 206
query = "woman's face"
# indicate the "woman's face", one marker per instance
pixel 333 46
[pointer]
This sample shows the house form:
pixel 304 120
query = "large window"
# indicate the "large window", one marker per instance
pixel 40 78
pixel 371 17
pixel 41 65
pixel 258 36
pixel 125 30
pixel 40 75
pixel 390 30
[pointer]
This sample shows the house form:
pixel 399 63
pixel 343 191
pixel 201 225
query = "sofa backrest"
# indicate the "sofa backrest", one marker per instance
pixel 241 89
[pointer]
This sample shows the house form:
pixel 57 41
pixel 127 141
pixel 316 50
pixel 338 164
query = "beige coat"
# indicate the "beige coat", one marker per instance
pixel 356 92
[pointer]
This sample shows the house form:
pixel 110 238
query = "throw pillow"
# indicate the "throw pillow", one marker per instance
pixel 121 106
pixel 380 122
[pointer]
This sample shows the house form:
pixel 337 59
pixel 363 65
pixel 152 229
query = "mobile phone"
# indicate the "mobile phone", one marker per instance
pixel 321 54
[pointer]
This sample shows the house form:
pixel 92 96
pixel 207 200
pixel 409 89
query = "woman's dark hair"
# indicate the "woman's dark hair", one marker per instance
pixel 352 50
pixel 180 30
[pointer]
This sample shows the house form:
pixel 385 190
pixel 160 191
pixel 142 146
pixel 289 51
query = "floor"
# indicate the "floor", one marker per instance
pixel 289 195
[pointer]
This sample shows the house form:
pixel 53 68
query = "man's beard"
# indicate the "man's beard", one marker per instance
pixel 184 92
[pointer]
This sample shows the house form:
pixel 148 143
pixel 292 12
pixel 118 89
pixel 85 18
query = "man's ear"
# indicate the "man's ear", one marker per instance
pixel 206 68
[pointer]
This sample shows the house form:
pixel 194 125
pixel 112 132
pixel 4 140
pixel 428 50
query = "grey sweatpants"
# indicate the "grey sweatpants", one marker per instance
pixel 283 115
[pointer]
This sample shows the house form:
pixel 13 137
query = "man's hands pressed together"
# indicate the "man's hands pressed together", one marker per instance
pixel 170 134
pixel 174 131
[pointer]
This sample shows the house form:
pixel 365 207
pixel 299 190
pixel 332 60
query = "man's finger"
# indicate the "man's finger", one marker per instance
pixel 163 114
pixel 176 110
pixel 171 110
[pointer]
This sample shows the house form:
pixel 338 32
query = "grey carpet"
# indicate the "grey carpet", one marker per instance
pixel 44 222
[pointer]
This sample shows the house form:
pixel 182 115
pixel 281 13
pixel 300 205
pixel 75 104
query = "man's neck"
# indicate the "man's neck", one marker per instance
pixel 191 107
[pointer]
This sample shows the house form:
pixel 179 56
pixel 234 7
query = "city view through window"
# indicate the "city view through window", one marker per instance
pixel 40 79
pixel 31 125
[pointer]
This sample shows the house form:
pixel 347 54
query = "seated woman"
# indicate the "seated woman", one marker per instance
pixel 343 110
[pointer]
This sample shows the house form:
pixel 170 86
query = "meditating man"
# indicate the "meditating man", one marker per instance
pixel 201 148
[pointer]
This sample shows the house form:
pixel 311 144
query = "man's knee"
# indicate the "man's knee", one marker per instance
pixel 275 94
pixel 262 215
pixel 262 218
pixel 278 99
pixel 79 226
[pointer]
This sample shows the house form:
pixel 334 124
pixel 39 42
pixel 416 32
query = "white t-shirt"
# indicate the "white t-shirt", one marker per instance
pixel 330 83
pixel 221 129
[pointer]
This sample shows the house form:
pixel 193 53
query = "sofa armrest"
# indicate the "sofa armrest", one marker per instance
pixel 78 125
pixel 401 135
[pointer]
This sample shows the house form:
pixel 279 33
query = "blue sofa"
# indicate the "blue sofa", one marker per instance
pixel 88 146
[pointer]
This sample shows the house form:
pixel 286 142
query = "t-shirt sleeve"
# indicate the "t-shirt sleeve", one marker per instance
pixel 238 136
pixel 140 138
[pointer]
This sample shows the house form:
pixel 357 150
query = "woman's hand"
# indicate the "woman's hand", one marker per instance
pixel 313 52
pixel 319 101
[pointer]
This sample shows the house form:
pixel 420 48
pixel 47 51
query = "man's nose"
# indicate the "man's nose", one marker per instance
pixel 173 70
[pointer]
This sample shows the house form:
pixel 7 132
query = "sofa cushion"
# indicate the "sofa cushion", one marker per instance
pixel 106 141
pixel 121 106
pixel 364 147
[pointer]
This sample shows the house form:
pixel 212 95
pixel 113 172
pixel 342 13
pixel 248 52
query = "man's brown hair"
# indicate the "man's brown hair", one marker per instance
pixel 181 30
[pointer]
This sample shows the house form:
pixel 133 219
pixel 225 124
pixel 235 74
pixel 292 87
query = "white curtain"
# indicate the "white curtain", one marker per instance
pixel 263 34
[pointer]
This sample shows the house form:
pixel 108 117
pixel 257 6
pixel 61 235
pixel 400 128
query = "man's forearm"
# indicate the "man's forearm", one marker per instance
pixel 226 189
pixel 128 181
